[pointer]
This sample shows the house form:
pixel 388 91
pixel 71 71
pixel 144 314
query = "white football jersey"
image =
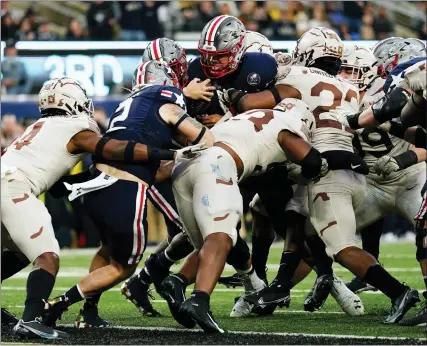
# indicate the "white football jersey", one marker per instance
pixel 41 152
pixel 329 98
pixel 415 76
pixel 253 135
pixel 373 141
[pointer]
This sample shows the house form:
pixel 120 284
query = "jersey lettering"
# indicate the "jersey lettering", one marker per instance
pixel 27 139
pixel 123 108
pixel 259 118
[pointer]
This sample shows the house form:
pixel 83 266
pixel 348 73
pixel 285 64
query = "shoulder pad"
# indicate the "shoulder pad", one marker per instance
pixel 251 77
pixel 170 94
pixel 398 74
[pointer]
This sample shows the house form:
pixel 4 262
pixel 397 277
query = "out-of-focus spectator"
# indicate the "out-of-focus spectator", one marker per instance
pixel 75 31
pixel 301 19
pixel 207 11
pixel 353 10
pixel 227 7
pixel 8 27
pixel 10 129
pixel 150 20
pixel 366 30
pixel 101 118
pixel 100 21
pixel 263 20
pixel 15 77
pixel 191 20
pixel 319 17
pixel 31 14
pixel 285 28
pixel 44 32
pixel 382 25
pixel 247 10
pixel 344 32
pixel 420 26
pixel 272 7
pixel 25 32
pixel 131 21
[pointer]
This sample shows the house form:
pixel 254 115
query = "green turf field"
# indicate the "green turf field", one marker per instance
pixel 398 258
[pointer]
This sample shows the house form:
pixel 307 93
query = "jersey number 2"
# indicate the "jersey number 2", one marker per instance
pixel 124 108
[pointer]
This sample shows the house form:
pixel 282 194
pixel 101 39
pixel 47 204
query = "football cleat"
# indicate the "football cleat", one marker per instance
pixel 420 318
pixel 231 281
pixel 241 307
pixel 156 271
pixel 173 291
pixel 349 302
pixel 89 318
pixel 36 329
pixel 319 293
pixel 138 294
pixel 400 306
pixel 358 286
pixel 275 294
pixel 53 310
pixel 7 318
pixel 200 312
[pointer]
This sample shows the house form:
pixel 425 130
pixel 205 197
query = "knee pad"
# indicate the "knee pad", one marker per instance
pixel 239 254
pixel 421 239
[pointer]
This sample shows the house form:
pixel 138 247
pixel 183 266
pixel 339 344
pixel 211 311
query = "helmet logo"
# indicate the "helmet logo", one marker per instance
pixel 51 99
pixel 253 78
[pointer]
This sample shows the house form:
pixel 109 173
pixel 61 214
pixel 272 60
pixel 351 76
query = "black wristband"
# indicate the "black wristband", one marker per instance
pixel 130 147
pixel 407 159
pixel 276 95
pixel 420 138
pixel 200 136
pixel 159 154
pixel 99 149
pixel 397 129
pixel 353 121
pixel 311 164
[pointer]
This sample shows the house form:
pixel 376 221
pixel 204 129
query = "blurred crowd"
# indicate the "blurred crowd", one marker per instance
pixel 146 20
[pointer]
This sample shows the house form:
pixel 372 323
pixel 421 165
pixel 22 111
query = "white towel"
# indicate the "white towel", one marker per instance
pixel 101 181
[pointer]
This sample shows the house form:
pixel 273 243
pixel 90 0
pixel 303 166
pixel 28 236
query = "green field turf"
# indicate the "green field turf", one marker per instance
pixel 399 258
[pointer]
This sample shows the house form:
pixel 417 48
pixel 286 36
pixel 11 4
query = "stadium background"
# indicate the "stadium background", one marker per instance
pixel 100 43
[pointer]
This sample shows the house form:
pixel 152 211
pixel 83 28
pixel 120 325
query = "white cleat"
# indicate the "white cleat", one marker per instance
pixel 242 308
pixel 349 302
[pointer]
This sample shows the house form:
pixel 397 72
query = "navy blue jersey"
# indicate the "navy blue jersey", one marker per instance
pixel 398 74
pixel 137 118
pixel 256 72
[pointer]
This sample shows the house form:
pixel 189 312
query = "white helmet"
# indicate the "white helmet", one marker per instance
pixel 318 43
pixel 256 42
pixel 298 111
pixel 363 63
pixel 64 96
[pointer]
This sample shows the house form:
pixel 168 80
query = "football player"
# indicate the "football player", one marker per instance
pixel 115 196
pixel 207 193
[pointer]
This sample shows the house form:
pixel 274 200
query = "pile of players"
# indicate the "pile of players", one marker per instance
pixel 236 128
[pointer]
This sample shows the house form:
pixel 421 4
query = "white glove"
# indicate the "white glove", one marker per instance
pixel 386 165
pixel 224 100
pixel 190 153
pixel 325 168
pixel 282 59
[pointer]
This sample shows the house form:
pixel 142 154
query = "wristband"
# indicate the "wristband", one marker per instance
pixel 407 159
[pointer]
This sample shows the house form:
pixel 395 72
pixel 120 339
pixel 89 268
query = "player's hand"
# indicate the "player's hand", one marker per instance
pixel 209 120
pixel 190 153
pixel 224 100
pixel 386 165
pixel 197 90
pixel 282 58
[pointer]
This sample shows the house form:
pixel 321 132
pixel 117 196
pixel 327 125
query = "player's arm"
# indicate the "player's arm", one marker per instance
pixel 300 152
pixel 267 99
pixel 115 150
pixel 415 135
pixel 188 127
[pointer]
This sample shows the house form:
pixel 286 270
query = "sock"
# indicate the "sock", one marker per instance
pixel 250 280
pixel 165 260
pixel 144 277
pixel 321 259
pixel 200 295
pixel 92 302
pixel 260 249
pixel 11 263
pixel 288 264
pixel 378 277
pixel 182 278
pixel 371 238
pixel 39 286
pixel 74 295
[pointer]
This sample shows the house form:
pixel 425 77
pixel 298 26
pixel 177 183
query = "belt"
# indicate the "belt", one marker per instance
pixel 335 124
pixel 119 174
pixel 236 158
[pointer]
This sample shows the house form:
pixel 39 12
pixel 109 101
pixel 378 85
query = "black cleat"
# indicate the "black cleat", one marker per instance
pixel 202 314
pixel 156 271
pixel 420 318
pixel 138 294
pixel 358 286
pixel 53 310
pixel 231 281
pixel 319 293
pixel 36 329
pixel 408 299
pixel 173 291
pixel 89 318
pixel 275 295
pixel 265 310
pixel 7 318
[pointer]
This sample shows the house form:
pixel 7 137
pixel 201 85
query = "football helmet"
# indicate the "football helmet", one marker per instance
pixel 164 49
pixel 318 43
pixel 64 96
pixel 154 72
pixel 256 42
pixel 221 46
pixel 363 64
pixel 381 52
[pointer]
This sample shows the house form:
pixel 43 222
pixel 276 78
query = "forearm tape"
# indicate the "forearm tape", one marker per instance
pixel 235 97
pixel 407 159
pixel 353 121
pixel 390 105
pixel 159 154
pixel 420 138
pixel 276 95
pixel 311 164
pixel 414 112
pixel 397 129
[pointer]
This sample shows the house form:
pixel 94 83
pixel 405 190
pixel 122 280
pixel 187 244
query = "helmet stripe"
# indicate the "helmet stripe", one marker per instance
pixel 156 50
pixel 142 72
pixel 210 36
